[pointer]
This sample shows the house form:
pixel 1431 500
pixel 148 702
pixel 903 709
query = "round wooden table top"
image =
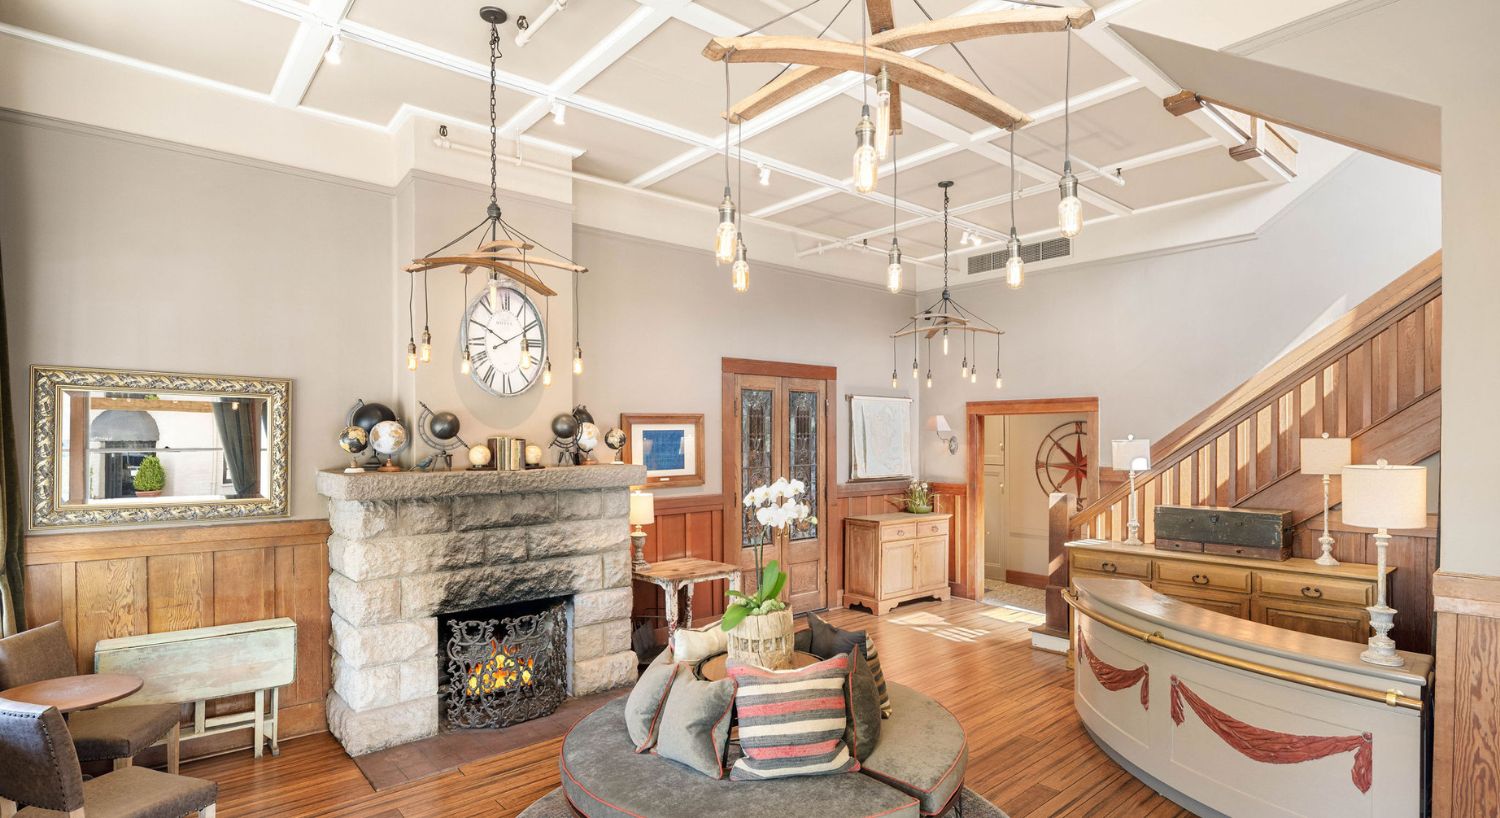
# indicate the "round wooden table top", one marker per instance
pixel 715 667
pixel 72 693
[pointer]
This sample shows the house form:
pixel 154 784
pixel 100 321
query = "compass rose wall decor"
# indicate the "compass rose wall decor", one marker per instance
pixel 1062 460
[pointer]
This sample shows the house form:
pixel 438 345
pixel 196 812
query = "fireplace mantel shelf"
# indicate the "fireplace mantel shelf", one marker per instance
pixel 335 484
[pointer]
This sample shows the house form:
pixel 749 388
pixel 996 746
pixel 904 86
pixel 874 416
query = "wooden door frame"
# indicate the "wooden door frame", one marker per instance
pixel 730 368
pixel 975 412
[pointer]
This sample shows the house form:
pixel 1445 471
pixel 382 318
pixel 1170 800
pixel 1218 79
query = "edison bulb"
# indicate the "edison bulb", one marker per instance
pixel 893 270
pixel 1015 267
pixel 916 371
pixel 547 373
pixel 464 366
pixel 578 361
pixel 724 236
pixel 929 379
pixel 1070 209
pixel 494 291
pixel 974 375
pixel 740 272
pixel 945 342
pixel 883 113
pixel 411 356
pixel 895 381
pixel 866 161
pixel 998 381
pixel 525 355
pixel 964 373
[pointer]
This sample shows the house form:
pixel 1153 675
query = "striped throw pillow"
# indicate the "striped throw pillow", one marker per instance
pixel 792 721
pixel 873 659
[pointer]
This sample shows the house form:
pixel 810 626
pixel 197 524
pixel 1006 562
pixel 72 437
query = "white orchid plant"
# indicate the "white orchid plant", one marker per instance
pixel 777 506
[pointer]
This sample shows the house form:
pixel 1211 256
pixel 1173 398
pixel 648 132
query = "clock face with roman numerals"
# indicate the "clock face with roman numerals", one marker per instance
pixel 506 340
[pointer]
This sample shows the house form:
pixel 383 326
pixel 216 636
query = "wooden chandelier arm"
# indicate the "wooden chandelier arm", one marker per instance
pixel 936 32
pixel 931 331
pixel 503 244
pixel 839 56
pixel 469 263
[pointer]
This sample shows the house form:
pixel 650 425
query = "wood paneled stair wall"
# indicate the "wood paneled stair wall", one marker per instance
pixel 1373 375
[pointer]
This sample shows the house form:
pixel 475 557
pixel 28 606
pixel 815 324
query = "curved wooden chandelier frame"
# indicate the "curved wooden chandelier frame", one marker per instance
pixel 823 59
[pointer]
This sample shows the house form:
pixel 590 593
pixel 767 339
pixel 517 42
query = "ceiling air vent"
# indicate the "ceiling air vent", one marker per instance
pixel 1039 251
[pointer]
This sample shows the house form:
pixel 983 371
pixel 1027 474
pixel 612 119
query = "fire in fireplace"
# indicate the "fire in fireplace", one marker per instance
pixel 504 665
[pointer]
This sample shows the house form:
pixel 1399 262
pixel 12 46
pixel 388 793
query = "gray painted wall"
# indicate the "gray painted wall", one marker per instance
pixel 127 254
pixel 657 319
pixel 1158 339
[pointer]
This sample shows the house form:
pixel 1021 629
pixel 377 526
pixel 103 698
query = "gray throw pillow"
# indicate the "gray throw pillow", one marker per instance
pixel 695 723
pixel 862 703
pixel 828 641
pixel 802 640
pixel 643 707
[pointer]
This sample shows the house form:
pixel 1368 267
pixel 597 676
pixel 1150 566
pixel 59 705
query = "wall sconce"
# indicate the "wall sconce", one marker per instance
pixel 941 427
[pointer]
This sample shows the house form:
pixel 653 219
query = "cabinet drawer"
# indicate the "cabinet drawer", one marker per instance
pixel 1335 622
pixel 1328 590
pixel 1204 575
pixel 1121 565
pixel 904 530
pixel 932 528
pixel 1227 604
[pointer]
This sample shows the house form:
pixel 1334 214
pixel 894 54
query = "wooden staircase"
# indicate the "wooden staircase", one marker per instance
pixel 1374 375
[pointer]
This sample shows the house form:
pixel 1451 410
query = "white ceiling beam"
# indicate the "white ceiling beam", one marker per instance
pixel 1033 190
pixel 1104 40
pixel 638 26
pixel 317 25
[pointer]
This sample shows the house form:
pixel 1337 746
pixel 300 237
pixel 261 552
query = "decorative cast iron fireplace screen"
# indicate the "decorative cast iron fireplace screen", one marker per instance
pixel 505 668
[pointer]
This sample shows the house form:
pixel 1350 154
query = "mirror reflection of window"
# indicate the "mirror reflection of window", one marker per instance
pixel 135 447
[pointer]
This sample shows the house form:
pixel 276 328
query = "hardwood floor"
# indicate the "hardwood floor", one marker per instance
pixel 1027 750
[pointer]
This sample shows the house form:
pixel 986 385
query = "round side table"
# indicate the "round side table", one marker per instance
pixel 73 693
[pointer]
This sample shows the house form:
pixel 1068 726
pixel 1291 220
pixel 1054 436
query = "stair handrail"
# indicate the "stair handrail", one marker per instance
pixel 1375 314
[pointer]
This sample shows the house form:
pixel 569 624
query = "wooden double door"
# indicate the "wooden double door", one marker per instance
pixel 779 426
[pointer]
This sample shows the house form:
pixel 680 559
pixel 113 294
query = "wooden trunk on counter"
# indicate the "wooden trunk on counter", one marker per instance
pixel 1232 532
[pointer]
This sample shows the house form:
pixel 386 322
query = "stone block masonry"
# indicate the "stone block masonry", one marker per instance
pixel 409 546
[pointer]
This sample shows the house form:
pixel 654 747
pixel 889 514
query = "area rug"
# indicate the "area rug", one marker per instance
pixel 972 805
pixel 1010 595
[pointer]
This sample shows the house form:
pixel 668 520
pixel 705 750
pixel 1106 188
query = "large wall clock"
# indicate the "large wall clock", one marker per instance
pixel 506 340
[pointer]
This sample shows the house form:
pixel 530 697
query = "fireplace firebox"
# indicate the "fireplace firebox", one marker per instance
pixel 503 665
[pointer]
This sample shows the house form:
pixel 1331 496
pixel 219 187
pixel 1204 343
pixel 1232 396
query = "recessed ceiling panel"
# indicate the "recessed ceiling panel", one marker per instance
pixel 1026 70
pixel 1123 128
pixel 222 40
pixel 704 182
pixel 372 83
pixel 666 77
pixel 1203 172
pixel 970 173
pixel 842 215
pixel 614 149
pixel 456 28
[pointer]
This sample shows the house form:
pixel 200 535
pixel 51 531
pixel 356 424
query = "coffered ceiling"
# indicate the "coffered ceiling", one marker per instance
pixel 642 104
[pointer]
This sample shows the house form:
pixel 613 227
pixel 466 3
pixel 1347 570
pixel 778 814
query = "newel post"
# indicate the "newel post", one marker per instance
pixel 1060 506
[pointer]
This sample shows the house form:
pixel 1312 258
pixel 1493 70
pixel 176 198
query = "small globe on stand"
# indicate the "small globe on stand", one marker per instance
pixel 388 437
pixel 615 440
pixel 354 440
pixel 588 440
pixel 368 415
pixel 479 457
pixel 443 425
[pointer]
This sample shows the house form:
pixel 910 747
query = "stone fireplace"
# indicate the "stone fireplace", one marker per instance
pixel 409 548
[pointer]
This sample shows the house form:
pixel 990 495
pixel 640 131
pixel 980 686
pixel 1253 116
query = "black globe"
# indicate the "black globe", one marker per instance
pixel 443 425
pixel 365 417
pixel 564 426
pixel 582 415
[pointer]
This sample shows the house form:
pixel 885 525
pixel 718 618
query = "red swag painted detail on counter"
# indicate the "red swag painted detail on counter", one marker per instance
pixel 1117 678
pixel 1271 747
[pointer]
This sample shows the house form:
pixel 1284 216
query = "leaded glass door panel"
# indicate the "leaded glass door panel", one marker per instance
pixel 804 551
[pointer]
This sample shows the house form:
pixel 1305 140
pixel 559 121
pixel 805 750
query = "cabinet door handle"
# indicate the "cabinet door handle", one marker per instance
pixel 1109 567
pixel 1311 592
pixel 1199 579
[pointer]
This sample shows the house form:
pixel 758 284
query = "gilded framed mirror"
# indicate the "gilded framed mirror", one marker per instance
pixel 113 447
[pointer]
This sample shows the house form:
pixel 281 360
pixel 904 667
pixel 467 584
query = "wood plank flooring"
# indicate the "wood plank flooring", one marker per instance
pixel 1028 752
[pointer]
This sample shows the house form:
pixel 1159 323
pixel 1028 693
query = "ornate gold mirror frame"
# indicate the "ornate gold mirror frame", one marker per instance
pixel 48 387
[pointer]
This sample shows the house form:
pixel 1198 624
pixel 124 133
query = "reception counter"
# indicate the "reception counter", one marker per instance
pixel 1231 717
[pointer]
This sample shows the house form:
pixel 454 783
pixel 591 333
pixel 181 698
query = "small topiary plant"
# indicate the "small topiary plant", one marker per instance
pixel 150 476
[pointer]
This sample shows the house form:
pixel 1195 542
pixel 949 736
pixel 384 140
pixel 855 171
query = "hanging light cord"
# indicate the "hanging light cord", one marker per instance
pixel 864 51
pixel 829 25
pixel 739 195
pixel 728 102
pixel 1067 95
pixel 1012 180
pixel 895 189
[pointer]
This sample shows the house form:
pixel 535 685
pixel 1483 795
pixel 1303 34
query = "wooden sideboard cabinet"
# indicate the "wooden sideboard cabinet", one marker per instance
pixel 893 558
pixel 1296 594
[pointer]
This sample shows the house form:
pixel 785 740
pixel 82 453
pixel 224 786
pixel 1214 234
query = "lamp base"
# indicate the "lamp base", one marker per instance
pixel 1327 556
pixel 638 547
pixel 1382 650
pixel 1134 537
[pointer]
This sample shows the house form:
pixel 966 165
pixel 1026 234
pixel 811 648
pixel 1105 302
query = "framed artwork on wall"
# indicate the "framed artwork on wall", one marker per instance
pixel 879 438
pixel 669 446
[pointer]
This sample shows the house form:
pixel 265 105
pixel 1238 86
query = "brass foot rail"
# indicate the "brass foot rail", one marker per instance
pixel 1391 697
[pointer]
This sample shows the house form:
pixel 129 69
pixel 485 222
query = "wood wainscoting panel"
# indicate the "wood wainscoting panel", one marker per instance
pixel 104 584
pixel 690 526
pixel 1466 696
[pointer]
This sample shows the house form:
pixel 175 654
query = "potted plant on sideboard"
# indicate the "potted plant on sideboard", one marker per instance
pixel 759 624
pixel 918 499
pixel 150 477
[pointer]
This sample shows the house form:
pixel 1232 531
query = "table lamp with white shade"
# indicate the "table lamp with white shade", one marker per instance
pixel 1134 455
pixel 642 512
pixel 1325 456
pixel 1383 497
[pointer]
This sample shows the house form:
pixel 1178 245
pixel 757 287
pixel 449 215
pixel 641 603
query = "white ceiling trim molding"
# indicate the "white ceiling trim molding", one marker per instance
pixel 1307 25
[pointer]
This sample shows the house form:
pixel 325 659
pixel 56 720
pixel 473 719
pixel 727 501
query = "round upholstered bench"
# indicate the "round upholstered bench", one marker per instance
pixel 917 769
